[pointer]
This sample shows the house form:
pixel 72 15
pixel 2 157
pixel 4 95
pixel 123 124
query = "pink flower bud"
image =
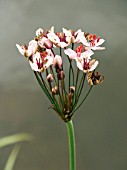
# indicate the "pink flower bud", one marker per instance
pixel 48 44
pixel 60 75
pixel 57 62
pixel 49 78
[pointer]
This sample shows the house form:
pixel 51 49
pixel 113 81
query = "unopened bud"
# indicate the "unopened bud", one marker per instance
pixel 48 44
pixel 60 75
pixel 72 89
pixel 55 90
pixel 57 62
pixel 49 78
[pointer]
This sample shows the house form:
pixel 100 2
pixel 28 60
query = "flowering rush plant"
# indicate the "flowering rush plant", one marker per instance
pixel 62 63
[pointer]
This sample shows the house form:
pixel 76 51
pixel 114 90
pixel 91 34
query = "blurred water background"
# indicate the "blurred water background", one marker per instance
pixel 101 123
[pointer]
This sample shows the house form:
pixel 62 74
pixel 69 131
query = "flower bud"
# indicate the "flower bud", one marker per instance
pixel 57 62
pixel 48 44
pixel 55 90
pixel 49 78
pixel 60 75
pixel 72 89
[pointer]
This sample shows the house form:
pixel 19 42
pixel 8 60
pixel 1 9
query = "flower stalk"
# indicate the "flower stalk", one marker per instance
pixel 72 148
pixel 78 49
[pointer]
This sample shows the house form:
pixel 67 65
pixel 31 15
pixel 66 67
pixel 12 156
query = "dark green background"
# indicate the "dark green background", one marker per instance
pixel 101 123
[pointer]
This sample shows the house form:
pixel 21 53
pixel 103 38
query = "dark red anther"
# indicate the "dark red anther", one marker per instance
pixel 86 65
pixel 98 39
pixel 26 48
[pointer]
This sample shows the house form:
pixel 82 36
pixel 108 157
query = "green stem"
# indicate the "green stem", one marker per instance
pixel 72 150
pixel 82 100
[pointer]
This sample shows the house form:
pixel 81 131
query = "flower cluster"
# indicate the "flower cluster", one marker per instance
pixel 77 47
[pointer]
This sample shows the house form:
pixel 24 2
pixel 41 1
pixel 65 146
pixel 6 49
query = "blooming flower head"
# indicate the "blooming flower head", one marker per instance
pixel 62 39
pixel 61 73
pixel 41 60
pixel 93 42
pixel 77 53
pixel 85 63
pixel 29 50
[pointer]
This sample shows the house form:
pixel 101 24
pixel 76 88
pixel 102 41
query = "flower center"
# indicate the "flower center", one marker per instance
pixel 80 49
pixel 86 64
pixel 62 37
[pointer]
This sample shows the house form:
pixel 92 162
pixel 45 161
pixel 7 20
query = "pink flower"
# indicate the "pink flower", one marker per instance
pixel 30 50
pixel 93 42
pixel 41 61
pixel 85 64
pixel 59 39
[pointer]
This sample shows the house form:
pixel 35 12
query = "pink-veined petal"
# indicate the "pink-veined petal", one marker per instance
pixel 79 62
pixel 87 54
pixel 63 44
pixel 53 37
pixel 32 48
pixel 71 53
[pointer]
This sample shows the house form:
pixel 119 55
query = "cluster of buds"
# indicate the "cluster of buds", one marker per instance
pixel 77 47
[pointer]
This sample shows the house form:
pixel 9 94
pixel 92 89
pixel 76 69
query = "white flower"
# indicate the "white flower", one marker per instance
pixel 59 39
pixel 79 36
pixel 93 42
pixel 68 35
pixel 85 63
pixel 41 61
pixel 30 50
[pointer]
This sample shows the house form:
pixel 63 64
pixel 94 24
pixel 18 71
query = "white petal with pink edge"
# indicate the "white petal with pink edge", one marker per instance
pixel 71 53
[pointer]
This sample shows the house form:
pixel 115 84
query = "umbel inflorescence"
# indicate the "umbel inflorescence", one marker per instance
pixel 76 47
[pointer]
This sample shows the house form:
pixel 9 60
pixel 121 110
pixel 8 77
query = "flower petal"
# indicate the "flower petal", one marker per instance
pixel 87 54
pixel 97 48
pixel 94 65
pixel 71 53
pixel 21 50
pixel 101 41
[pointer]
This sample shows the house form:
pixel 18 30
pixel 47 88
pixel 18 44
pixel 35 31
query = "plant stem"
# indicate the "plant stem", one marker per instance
pixel 72 150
